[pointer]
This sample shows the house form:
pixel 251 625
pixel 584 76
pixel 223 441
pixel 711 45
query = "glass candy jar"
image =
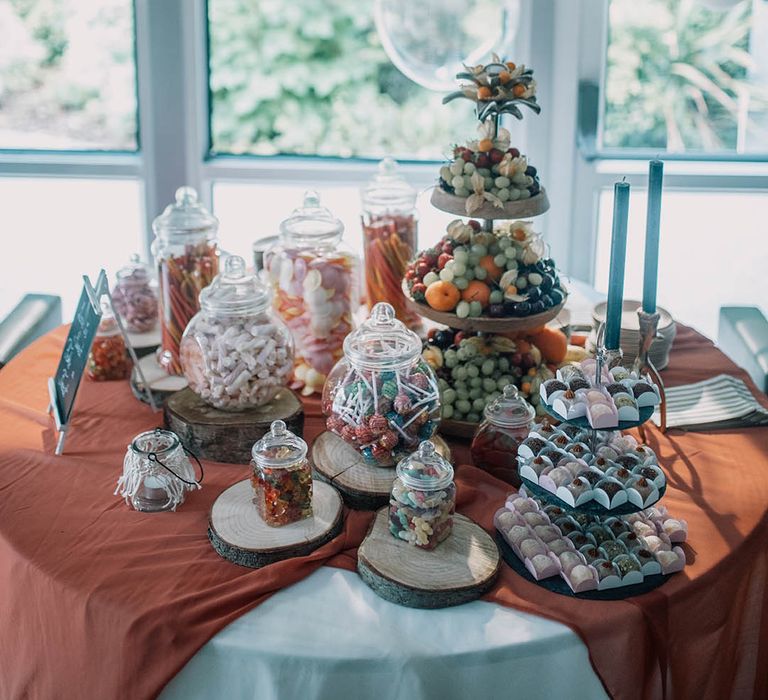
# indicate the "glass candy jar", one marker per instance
pixel 315 289
pixel 187 256
pixel 108 358
pixel 235 352
pixel 507 422
pixel 382 397
pixel 282 477
pixel 134 298
pixel 423 498
pixel 156 472
pixel 389 238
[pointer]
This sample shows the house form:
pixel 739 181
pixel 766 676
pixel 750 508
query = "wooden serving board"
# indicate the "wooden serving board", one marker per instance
pixel 228 436
pixel 485 324
pixel 362 486
pixel 160 382
pixel 460 569
pixel 237 532
pixel 519 209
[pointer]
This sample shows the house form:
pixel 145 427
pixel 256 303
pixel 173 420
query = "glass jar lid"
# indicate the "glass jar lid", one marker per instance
pixel 157 442
pixel 311 223
pixel 135 272
pixel 279 448
pixel 389 189
pixel 234 292
pixel 510 410
pixel 186 216
pixel 382 342
pixel 425 469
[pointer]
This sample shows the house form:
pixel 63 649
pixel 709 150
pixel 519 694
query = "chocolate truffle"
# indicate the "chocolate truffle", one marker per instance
pixel 553 385
pixel 612 548
pixel 628 461
pixel 578 383
pixel 615 388
pixel 579 539
pixel 567 525
pixel 590 552
pixel 611 488
pixel 641 388
pixel 604 568
pixel 530 548
pixel 535 518
pixel 570 559
pixel 600 533
pixel 626 563
pixel 589 475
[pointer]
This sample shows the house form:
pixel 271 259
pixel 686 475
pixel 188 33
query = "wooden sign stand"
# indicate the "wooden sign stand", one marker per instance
pixel 63 386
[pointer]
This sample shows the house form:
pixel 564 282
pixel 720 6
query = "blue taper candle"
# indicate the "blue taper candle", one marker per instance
pixel 616 273
pixel 651 264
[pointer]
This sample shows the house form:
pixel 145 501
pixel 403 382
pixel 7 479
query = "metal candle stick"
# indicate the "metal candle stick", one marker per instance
pixel 649 324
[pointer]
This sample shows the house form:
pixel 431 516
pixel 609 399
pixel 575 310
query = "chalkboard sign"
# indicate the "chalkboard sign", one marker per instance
pixel 64 385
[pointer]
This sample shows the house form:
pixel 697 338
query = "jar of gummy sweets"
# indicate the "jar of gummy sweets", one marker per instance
pixel 187 255
pixel 316 289
pixel 108 358
pixel 236 353
pixel 282 477
pixel 389 238
pixel 423 498
pixel 507 422
pixel 134 298
pixel 382 397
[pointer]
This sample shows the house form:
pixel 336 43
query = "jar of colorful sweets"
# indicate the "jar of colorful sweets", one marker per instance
pixel 382 397
pixel 282 477
pixel 236 353
pixel 134 298
pixel 507 422
pixel 316 289
pixel 187 256
pixel 423 498
pixel 389 238
pixel 108 358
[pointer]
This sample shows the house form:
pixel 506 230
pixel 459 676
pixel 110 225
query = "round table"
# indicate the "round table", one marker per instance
pixel 97 600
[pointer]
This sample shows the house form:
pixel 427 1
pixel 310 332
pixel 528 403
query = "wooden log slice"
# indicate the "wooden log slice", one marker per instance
pixel 362 486
pixel 460 569
pixel 160 382
pixel 237 532
pixel 519 209
pixel 228 436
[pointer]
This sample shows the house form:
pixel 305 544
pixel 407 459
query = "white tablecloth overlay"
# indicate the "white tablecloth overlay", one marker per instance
pixel 329 637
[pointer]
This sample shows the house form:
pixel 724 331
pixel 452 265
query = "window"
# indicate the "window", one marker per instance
pixel 67 75
pixel 687 76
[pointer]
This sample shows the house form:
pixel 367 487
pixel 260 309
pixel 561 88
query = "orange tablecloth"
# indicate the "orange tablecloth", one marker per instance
pixel 98 601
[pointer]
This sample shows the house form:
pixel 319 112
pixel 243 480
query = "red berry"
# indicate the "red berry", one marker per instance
pixel 514 152
pixel 422 269
pixel 516 359
pixel 443 260
pixel 410 273
pixel 418 288
pixel 496 156
pixel 430 258
pixel 447 247
pixel 475 224
pixel 483 161
pixel 466 156
pixel 460 335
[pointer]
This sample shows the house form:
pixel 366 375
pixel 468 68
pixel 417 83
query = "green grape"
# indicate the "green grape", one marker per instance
pixel 469 168
pixel 446 411
pixel 504 243
pixel 468 182
pixel 475 382
pixel 500 260
pixel 503 364
pixel 457 167
pixel 470 274
pixel 480 273
pixel 462 393
pixel 472 417
pixel 489 384
pixel 461 373
pixel 469 348
pixel 488 184
pixel 449 396
pixel 485 172
pixel 475 393
pixel 475 309
pixel 472 371
pixel 461 283
pixel 503 194
pixel 511 264
pixel 463 405
pixel 525 194
pixel 459 268
pixel 497 296
pixel 501 182
pixel 450 359
pixel 488 368
pixel 430 277
pixel 521 283
pixel 511 252
pixel 446 274
pixel 446 174
pixel 518 178
pixel 460 254
pixel 479 250
pixel 503 381
pixel 458 182
pixel 479 404
pixel 492 396
pixel 462 310
pixel 442 385
pixel 461 191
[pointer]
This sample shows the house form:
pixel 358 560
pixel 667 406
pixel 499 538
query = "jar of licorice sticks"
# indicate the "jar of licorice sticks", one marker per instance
pixel 187 254
pixel 382 397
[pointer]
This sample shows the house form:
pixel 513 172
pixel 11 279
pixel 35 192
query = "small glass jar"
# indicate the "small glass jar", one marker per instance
pixel 156 472
pixel 187 255
pixel 382 397
pixel 423 498
pixel 508 421
pixel 316 289
pixel 235 352
pixel 134 298
pixel 282 477
pixel 108 358
pixel 390 225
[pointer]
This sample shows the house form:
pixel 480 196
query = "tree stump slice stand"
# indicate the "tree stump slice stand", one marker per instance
pixel 460 569
pixel 238 533
pixel 228 436
pixel 160 382
pixel 362 486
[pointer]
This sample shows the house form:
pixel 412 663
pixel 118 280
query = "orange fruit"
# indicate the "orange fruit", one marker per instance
pixel 511 65
pixel 518 90
pixel 485 145
pixel 477 291
pixel 552 343
pixel 442 295
pixel 484 93
pixel 493 270
pixel 504 77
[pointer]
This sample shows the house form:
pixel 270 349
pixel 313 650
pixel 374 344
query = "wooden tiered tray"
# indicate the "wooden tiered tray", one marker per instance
pixel 519 209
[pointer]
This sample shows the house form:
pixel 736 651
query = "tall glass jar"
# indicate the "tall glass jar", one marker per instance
pixel 134 298
pixel 187 256
pixel 507 422
pixel 315 279
pixel 236 353
pixel 382 397
pixel 390 227
pixel 282 477
pixel 108 358
pixel 423 498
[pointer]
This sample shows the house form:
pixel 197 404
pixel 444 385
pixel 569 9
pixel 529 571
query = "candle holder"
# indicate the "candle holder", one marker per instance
pixel 605 357
pixel 649 324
